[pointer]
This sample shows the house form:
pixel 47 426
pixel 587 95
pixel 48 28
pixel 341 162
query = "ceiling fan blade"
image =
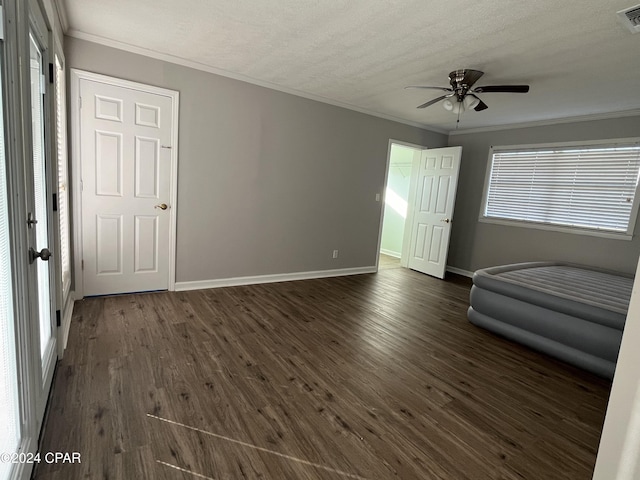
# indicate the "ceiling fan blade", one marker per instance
pixel 471 77
pixel 502 89
pixel 444 89
pixel 431 102
pixel 481 106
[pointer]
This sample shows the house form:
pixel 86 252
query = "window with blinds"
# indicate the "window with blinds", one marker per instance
pixel 63 178
pixel 589 188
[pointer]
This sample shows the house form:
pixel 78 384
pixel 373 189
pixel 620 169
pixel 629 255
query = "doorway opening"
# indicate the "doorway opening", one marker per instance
pixel 400 164
pixel 418 209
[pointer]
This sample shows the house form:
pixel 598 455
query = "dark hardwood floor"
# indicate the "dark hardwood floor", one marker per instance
pixel 365 377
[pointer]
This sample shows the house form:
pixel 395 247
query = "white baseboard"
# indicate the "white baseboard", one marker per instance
pixel 65 324
pixel 459 271
pixel 279 277
pixel 390 253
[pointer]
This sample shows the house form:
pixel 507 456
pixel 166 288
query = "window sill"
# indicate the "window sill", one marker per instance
pixel 557 228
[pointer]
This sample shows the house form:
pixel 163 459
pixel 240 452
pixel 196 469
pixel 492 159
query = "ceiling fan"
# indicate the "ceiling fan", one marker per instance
pixel 461 95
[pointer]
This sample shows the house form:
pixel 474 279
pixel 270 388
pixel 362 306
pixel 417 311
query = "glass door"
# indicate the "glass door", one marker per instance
pixel 27 279
pixel 9 401
pixel 39 210
pixel 40 196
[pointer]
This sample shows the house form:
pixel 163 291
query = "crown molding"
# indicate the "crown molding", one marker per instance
pixel 243 78
pixel 62 15
pixel 554 121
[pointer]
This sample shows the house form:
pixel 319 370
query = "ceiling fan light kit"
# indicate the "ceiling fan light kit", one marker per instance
pixel 470 102
pixel 448 104
pixel 462 96
pixel 455 106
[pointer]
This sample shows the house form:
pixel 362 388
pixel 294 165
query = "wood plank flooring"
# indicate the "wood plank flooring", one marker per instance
pixel 387 261
pixel 366 377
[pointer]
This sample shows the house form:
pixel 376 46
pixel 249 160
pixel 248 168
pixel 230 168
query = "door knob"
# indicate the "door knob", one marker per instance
pixel 162 206
pixel 445 220
pixel 43 255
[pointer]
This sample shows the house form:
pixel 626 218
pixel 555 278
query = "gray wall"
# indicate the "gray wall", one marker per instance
pixel 267 182
pixel 476 245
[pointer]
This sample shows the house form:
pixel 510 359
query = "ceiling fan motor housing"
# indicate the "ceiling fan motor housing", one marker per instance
pixel 462 80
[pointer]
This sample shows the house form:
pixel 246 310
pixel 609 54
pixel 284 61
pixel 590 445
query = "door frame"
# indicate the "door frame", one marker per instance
pixel 76 167
pixel 34 377
pixel 403 258
pixel 16 144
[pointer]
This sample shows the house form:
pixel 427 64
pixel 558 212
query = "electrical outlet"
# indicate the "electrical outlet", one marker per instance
pixel 335 254
pixel 377 197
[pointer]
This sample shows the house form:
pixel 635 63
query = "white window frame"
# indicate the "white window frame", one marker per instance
pixel 628 235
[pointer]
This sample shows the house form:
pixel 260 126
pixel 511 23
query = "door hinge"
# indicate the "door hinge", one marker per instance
pixel 82 264
pixel 58 318
pixel 55 202
pixel 51 77
pixel 80 100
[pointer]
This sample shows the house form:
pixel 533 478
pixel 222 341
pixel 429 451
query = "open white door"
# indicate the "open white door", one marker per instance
pixel 127 150
pixel 431 201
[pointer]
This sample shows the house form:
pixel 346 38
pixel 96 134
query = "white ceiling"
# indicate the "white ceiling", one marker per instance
pixel 575 55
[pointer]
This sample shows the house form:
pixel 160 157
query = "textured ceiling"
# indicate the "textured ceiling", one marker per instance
pixel 575 55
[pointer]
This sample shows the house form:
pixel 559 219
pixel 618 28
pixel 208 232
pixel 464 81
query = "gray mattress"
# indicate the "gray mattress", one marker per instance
pixel 571 312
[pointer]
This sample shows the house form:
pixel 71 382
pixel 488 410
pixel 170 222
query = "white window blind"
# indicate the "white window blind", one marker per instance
pixel 63 179
pixel 586 187
pixel 9 415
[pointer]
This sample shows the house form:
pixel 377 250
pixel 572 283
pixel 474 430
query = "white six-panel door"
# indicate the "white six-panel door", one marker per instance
pixel 125 142
pixel 432 212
